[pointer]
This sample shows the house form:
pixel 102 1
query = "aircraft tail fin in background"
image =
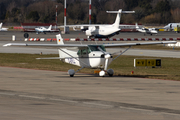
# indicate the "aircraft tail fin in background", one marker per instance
pixel 1 25
pixel 137 26
pixel 118 17
pixel 50 27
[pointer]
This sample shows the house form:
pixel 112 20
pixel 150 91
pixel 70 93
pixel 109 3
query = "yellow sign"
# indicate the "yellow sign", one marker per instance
pixel 140 62
pixel 151 62
pixel 147 62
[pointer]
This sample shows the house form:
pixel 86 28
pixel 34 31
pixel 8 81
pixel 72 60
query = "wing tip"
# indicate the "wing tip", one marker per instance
pixel 6 45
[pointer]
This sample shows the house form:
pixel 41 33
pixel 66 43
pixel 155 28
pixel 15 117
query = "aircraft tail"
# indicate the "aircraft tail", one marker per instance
pixel 1 25
pixel 59 39
pixel 137 27
pixel 118 17
pixel 50 27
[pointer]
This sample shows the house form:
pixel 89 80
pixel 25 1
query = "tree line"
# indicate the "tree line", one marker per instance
pixel 44 11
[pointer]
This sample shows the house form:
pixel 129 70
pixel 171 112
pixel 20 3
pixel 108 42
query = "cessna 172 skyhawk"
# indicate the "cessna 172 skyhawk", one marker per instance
pixel 88 56
pixel 103 30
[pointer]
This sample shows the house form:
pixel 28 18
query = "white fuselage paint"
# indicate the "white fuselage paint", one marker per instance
pixel 148 31
pixel 91 60
pixel 103 30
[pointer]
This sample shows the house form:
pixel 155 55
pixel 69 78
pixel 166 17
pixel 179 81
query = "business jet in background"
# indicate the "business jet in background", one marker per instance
pixel 102 30
pixel 171 26
pixel 150 31
pixel 44 30
pixel 3 29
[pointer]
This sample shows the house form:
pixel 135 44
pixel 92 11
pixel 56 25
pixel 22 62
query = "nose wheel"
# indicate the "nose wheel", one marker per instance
pixel 110 72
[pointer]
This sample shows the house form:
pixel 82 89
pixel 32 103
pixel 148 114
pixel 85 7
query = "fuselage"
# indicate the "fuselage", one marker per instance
pixel 102 31
pixel 90 57
pixel 172 25
pixel 3 29
pixel 148 31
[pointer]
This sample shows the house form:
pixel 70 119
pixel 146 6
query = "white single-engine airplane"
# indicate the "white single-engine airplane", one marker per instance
pixel 100 30
pixel 87 56
pixel 3 29
pixel 44 30
pixel 146 30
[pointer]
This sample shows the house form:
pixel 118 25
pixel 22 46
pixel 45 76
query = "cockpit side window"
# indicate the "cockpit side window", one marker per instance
pixel 95 47
pixel 84 51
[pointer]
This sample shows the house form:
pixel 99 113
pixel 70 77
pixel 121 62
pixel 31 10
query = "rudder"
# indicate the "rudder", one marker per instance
pixel 59 39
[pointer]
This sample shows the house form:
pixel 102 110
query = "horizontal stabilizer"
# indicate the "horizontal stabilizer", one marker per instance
pixel 120 11
pixel 50 58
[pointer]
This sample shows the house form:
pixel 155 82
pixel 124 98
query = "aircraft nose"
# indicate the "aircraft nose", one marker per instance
pixel 166 26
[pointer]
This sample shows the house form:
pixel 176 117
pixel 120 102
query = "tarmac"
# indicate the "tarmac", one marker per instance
pixel 51 95
pixel 7 36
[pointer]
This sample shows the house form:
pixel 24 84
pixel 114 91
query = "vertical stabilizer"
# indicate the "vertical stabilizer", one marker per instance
pixel 137 27
pixel 59 39
pixel 62 55
pixel 1 25
pixel 118 17
pixel 50 27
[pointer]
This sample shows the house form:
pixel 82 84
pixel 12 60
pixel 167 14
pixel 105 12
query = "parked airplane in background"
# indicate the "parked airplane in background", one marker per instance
pixel 146 30
pixel 87 56
pixel 102 31
pixel 3 29
pixel 171 26
pixel 44 30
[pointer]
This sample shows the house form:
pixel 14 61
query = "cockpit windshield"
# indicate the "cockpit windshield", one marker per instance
pixel 95 47
pixel 91 48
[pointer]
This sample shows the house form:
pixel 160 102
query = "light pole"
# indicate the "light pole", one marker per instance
pixel 64 16
pixel 89 11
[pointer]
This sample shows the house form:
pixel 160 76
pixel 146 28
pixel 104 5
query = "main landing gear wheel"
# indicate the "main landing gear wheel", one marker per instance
pixel 110 72
pixel 71 72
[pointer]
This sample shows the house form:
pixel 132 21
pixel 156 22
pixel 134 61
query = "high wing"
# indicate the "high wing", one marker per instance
pixel 46 45
pixel 140 43
pixel 85 45
pixel 84 27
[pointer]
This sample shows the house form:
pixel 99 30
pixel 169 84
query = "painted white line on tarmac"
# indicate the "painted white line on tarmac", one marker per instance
pixel 63 100
pixel 7 94
pixel 35 97
pixel 96 104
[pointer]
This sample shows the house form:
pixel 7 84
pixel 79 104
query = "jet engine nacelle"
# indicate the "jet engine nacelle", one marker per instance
pixel 88 32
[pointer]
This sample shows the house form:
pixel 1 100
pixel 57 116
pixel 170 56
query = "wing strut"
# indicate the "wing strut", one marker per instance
pixel 122 53
pixel 74 57
pixel 79 69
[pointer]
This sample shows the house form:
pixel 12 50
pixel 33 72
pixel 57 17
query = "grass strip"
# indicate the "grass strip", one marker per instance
pixel 122 66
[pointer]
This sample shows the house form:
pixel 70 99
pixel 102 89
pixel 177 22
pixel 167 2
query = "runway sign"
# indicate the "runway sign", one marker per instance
pixel 147 62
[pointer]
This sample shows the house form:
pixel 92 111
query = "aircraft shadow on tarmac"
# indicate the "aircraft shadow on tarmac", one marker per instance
pixel 82 75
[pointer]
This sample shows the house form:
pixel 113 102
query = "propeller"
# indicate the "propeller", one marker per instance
pixel 107 56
